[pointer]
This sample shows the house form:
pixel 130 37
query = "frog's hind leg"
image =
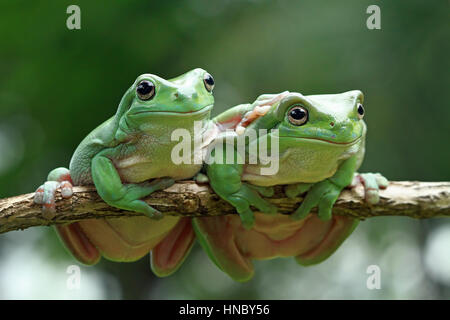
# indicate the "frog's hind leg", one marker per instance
pixel 72 236
pixel 340 229
pixel 127 239
pixel 343 226
pixel 171 252
pixel 78 244
pixel 217 237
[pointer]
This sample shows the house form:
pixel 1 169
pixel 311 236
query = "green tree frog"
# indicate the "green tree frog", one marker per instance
pixel 127 158
pixel 320 142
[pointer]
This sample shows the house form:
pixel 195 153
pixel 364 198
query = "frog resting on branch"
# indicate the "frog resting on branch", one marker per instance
pixel 317 142
pixel 127 158
pixel 320 141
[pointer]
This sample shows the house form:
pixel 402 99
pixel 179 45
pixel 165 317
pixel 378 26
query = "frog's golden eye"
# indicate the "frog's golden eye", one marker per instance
pixel 298 116
pixel 360 111
pixel 208 80
pixel 145 90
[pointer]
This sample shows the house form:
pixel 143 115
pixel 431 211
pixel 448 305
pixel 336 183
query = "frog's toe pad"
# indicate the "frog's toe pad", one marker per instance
pixel 46 194
pixel 58 179
pixel 39 195
pixel 372 196
pixel 201 178
pixel 66 189
pixel 372 183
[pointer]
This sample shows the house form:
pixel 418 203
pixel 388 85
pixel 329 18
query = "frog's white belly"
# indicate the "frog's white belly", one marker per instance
pixel 156 157
pixel 144 169
pixel 153 160
pixel 300 165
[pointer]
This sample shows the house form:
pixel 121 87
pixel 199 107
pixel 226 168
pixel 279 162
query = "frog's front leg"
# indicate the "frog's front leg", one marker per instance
pixel 58 178
pixel 324 194
pixel 124 196
pixel 226 181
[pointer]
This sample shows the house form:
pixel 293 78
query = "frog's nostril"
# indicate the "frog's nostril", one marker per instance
pixel 182 95
pixel 179 96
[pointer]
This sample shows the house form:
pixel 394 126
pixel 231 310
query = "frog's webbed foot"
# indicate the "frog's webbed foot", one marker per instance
pixel 58 179
pixel 132 194
pixel 322 195
pixel 372 183
pixel 250 195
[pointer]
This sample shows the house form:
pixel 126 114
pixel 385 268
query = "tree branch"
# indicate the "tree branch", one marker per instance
pixel 402 198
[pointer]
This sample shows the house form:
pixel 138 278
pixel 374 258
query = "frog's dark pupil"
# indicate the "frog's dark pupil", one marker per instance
pixel 298 114
pixel 360 110
pixel 145 87
pixel 209 80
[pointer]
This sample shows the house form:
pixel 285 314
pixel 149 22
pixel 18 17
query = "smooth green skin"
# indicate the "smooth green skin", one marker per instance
pixel 320 156
pixel 134 145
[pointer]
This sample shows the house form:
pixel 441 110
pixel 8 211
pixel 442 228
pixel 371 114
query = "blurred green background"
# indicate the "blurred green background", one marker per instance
pixel 56 85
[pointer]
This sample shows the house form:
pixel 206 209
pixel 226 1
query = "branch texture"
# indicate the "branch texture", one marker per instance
pixel 402 198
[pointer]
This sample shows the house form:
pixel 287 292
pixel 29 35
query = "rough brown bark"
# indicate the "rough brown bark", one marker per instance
pixel 402 198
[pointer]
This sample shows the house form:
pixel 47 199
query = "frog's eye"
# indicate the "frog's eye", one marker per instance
pixel 360 111
pixel 208 80
pixel 298 116
pixel 145 90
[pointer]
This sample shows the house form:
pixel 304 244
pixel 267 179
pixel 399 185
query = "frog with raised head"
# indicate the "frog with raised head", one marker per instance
pixel 320 145
pixel 127 158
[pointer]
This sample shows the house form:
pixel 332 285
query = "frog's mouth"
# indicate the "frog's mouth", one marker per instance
pixel 144 111
pixel 322 140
